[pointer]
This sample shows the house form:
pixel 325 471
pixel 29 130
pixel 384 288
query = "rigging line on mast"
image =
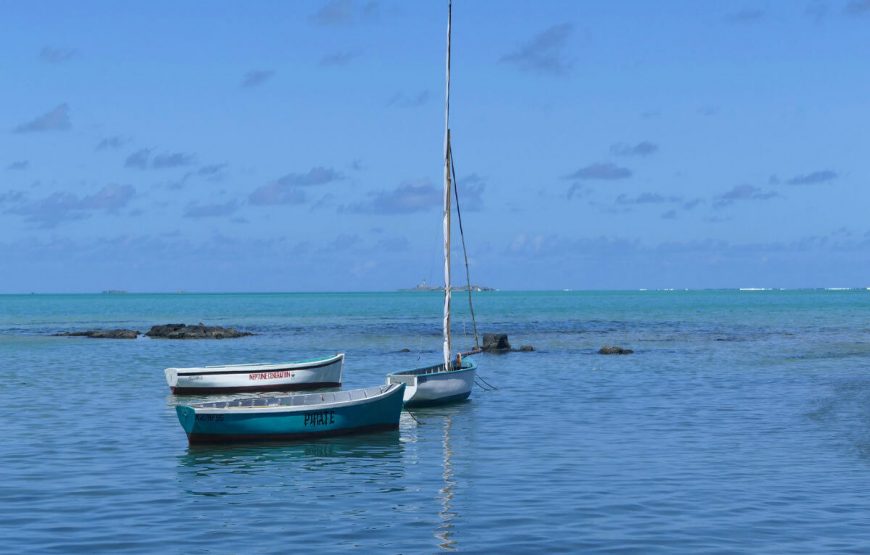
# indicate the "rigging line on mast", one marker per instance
pixel 464 251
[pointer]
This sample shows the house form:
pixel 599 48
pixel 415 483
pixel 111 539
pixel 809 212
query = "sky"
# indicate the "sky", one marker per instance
pixel 298 146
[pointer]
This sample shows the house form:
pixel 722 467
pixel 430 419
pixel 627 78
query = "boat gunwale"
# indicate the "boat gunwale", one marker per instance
pixel 204 408
pixel 259 366
pixel 433 370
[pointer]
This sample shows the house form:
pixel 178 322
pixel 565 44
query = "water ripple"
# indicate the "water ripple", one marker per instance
pixel 740 424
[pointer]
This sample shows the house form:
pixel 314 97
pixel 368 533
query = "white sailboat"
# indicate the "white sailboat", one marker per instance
pixel 450 380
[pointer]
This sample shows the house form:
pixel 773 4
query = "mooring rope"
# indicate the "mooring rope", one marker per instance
pixel 411 414
pixel 479 384
pixel 486 382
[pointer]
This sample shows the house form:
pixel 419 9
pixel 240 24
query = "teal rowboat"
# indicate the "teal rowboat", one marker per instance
pixel 291 417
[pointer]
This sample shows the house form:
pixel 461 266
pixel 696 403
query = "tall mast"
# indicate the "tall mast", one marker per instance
pixel 447 188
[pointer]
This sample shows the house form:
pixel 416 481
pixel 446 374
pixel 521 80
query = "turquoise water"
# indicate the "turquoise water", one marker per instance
pixel 740 424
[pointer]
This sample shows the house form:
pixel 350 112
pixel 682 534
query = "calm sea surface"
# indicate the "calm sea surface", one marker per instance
pixel 740 424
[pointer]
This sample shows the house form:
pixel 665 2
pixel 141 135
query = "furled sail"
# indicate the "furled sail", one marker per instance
pixel 447 191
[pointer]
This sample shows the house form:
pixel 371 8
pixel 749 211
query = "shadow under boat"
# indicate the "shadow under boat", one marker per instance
pixel 201 467
pixel 378 445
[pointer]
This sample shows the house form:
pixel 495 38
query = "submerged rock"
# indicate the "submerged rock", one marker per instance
pixel 197 331
pixel 614 350
pixel 525 349
pixel 496 343
pixel 101 334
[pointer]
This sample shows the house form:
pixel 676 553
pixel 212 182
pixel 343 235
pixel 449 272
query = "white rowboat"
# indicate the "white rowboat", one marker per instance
pixel 230 378
pixel 434 385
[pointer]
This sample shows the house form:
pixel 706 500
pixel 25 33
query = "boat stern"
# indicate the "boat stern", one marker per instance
pixel 410 382
pixel 340 367
pixel 171 377
pixel 187 417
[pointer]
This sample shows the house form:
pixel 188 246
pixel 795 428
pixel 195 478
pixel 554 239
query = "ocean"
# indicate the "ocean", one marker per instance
pixel 741 423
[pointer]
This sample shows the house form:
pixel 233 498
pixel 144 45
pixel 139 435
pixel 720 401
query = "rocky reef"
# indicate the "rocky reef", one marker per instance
pixel 194 331
pixel 614 350
pixel 101 334
pixel 165 331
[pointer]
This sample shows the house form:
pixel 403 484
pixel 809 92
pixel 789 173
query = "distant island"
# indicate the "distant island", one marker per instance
pixel 114 292
pixel 423 286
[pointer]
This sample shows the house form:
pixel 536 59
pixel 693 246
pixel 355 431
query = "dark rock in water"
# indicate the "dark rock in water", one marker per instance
pixel 115 334
pixel 165 330
pixel 614 350
pixel 404 350
pixel 525 349
pixel 101 334
pixel 496 342
pixel 197 331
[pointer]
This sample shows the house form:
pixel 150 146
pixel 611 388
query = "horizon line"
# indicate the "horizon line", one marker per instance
pixel 110 293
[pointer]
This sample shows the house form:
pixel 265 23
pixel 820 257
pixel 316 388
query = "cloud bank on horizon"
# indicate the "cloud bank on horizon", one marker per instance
pixel 597 145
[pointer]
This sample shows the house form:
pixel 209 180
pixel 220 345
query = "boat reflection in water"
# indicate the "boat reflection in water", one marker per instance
pixel 248 456
pixel 444 428
pixel 446 493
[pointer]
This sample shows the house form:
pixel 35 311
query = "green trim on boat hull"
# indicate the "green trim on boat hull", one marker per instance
pixel 447 400
pixel 433 370
pixel 253 388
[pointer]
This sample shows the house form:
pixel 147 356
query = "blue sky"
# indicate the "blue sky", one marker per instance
pixel 278 146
